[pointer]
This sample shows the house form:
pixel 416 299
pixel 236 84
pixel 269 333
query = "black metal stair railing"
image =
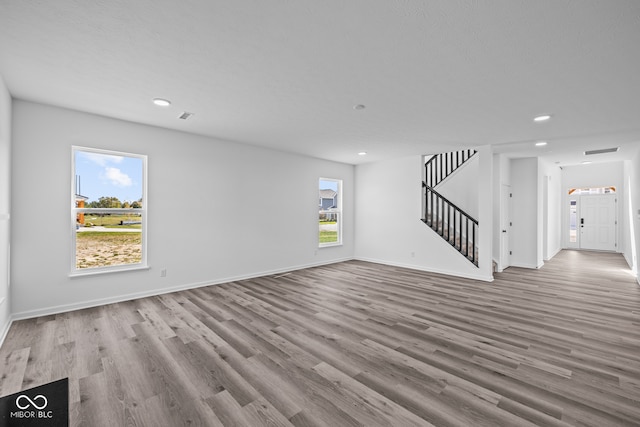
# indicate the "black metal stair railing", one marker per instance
pixel 452 223
pixel 442 165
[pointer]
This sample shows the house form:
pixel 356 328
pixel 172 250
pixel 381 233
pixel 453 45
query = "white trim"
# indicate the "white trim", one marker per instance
pixel 428 270
pixel 329 245
pixel 109 269
pixel 5 331
pixel 626 258
pixel 631 267
pixel 557 251
pixel 143 264
pixel 5 328
pixel 337 211
pixel 128 297
pixel 531 266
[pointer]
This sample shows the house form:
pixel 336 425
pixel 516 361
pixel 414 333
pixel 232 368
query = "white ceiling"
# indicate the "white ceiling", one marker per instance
pixel 435 75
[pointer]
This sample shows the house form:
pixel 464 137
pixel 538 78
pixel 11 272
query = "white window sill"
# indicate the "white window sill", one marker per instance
pixel 329 245
pixel 107 270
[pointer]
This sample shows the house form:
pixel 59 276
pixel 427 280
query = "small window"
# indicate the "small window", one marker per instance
pixel 330 212
pixel 573 221
pixel 108 211
pixel 596 190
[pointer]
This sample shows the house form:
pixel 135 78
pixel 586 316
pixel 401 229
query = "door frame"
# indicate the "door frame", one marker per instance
pixel 577 245
pixel 505 226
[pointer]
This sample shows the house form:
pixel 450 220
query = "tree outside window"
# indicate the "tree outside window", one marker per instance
pixel 108 211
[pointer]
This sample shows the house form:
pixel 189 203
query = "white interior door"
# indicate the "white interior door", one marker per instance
pixel 597 225
pixel 505 225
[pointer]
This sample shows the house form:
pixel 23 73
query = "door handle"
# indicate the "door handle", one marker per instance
pixel 504 231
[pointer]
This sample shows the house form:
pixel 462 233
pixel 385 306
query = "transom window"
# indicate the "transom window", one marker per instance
pixel 108 211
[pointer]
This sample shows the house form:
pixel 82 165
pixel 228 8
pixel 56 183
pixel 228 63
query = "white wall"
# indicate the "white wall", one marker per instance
pixel 501 176
pixel 635 206
pixel 5 207
pixel 631 214
pixel 551 176
pixel 484 182
pixel 526 215
pixel 456 187
pixel 388 221
pixel 593 175
pixel 218 210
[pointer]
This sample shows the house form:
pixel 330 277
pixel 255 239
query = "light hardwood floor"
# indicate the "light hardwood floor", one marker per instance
pixel 352 344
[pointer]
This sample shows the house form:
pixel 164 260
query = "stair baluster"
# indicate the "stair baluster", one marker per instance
pixel 440 213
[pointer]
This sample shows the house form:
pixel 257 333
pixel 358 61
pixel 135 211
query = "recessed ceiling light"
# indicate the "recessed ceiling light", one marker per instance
pixel 359 107
pixel 541 143
pixel 542 118
pixel 161 102
pixel 362 153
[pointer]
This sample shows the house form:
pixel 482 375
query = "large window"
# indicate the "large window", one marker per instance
pixel 108 211
pixel 330 212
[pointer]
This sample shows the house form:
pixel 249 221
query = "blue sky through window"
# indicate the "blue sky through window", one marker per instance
pixel 328 185
pixel 106 175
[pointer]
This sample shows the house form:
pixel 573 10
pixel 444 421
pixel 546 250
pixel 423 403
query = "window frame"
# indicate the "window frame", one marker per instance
pixel 337 212
pixel 143 211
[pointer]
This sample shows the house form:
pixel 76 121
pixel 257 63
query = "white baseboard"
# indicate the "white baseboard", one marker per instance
pixel 532 266
pixel 626 258
pixel 428 270
pixel 29 314
pixel 634 269
pixel 556 252
pixel 47 311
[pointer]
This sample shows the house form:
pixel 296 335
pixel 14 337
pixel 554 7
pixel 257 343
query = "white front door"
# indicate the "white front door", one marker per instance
pixel 597 226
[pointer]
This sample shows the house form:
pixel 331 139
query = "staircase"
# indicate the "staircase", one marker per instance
pixel 441 215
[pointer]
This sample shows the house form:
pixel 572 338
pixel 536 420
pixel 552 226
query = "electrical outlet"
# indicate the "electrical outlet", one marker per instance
pixel 163 272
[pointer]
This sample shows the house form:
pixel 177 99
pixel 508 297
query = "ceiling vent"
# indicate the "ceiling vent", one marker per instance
pixel 602 151
pixel 185 115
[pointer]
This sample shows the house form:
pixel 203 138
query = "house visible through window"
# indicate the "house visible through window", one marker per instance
pixel 109 211
pixel 330 214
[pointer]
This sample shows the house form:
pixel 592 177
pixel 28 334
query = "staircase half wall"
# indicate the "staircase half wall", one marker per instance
pixel 388 226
